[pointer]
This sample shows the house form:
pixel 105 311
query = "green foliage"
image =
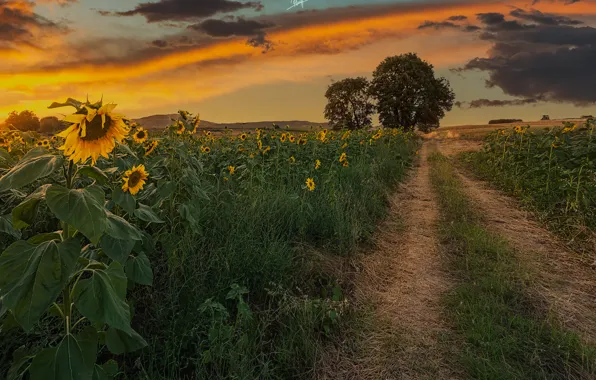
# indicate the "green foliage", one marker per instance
pixel 349 104
pixel 408 95
pixel 551 171
pixel 507 335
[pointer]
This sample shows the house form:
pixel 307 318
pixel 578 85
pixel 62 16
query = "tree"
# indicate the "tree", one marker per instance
pixel 24 121
pixel 408 94
pixel 51 124
pixel 349 104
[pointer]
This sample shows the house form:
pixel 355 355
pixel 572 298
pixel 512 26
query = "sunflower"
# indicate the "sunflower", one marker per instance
pixel 140 135
pixel 150 147
pixel 310 184
pixel 283 137
pixel 344 146
pixel 134 179
pixel 93 134
pixel 39 143
pixel 243 136
pixel 45 143
pixel 205 149
pixel 317 164
pixel 267 149
pixel 377 135
pixel 260 144
pixel 570 129
pixel 292 159
pixel 346 164
pixel 231 169
pixel 343 157
pixel 180 127
pixel 302 141
pixel 346 135
pixel 292 139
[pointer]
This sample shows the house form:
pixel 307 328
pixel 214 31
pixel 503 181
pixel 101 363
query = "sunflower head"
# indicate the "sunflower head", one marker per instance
pixel 292 139
pixel 45 143
pixel 140 135
pixel 93 133
pixel 292 159
pixel 260 144
pixel 310 184
pixel 283 137
pixel 343 157
pixel 267 149
pixel 231 170
pixel 243 136
pixel 317 164
pixel 134 179
pixel 205 149
pixel 39 143
pixel 346 164
pixel 150 147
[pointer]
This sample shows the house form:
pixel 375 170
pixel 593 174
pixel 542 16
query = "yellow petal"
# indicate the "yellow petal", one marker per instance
pixel 74 118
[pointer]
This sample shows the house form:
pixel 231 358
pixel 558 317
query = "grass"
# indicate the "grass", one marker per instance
pixel 551 173
pixel 508 334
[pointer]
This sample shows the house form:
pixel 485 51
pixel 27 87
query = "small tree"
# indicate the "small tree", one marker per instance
pixel 408 94
pixel 51 124
pixel 349 104
pixel 24 121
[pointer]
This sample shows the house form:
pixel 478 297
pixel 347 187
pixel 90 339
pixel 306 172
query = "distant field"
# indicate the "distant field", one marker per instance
pixel 478 131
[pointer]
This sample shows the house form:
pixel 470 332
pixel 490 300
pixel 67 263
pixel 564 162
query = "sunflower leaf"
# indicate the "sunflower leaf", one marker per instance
pixel 100 298
pixel 24 214
pixel 67 361
pixel 138 269
pixel 32 277
pixel 81 208
pixel 95 173
pixel 119 228
pixel 69 102
pixel 116 249
pixel 7 228
pixel 146 213
pixel 30 169
pixel 120 342
pixel 124 200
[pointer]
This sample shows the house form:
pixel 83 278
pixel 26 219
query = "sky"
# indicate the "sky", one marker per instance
pixel 251 60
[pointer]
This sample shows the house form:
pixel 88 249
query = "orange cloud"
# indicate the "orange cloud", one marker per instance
pixel 301 53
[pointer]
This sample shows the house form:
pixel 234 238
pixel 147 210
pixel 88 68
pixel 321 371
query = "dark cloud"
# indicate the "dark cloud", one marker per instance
pixel 457 18
pixel 438 25
pixel 566 2
pixel 160 43
pixel 543 18
pixel 261 41
pixel 551 59
pixel 240 27
pixel 480 103
pixel 19 24
pixel 184 10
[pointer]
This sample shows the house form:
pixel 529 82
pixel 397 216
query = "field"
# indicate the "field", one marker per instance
pixel 189 253
pixel 183 255
pixel 479 131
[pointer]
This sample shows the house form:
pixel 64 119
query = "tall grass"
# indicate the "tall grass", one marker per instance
pixel 508 335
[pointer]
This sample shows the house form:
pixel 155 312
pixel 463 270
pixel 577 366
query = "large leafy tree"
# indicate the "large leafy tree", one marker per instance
pixel 349 104
pixel 409 95
pixel 24 121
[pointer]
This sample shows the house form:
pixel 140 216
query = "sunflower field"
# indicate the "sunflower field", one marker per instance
pixel 181 254
pixel 552 171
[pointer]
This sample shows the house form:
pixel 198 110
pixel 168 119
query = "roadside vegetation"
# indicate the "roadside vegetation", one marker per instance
pixel 508 334
pixel 552 172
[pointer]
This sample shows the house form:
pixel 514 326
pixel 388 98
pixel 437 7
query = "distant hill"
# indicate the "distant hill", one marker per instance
pixel 161 121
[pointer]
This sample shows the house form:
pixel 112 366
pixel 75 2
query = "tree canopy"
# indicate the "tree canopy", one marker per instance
pixel 24 121
pixel 349 104
pixel 408 94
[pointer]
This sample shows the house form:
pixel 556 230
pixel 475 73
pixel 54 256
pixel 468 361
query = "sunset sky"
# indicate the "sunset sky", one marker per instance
pixel 255 60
